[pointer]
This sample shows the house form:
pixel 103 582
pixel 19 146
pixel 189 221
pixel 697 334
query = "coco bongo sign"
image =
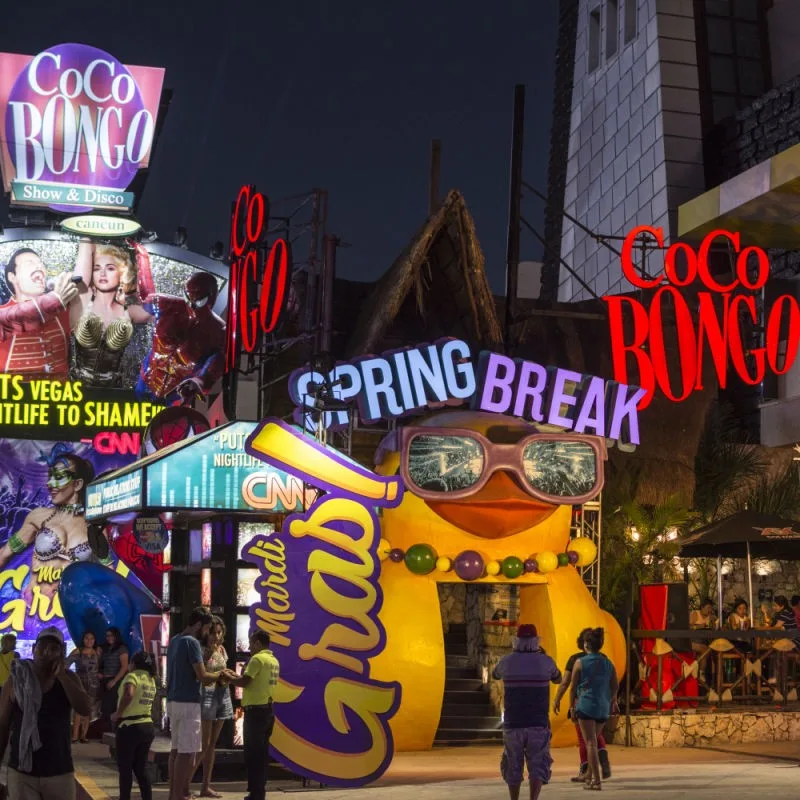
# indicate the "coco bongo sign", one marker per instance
pixel 716 325
pixel 76 126
pixel 259 276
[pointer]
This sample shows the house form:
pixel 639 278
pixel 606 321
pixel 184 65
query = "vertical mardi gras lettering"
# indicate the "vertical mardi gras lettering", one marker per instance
pixel 320 599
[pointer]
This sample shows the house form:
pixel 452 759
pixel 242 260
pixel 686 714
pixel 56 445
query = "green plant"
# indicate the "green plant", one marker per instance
pixel 774 494
pixel 639 541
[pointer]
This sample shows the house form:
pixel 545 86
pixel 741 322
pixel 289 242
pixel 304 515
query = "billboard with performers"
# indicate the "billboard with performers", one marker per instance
pixel 77 126
pixel 43 528
pixel 112 314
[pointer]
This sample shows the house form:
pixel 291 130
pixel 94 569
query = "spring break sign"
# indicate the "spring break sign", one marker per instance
pixel 76 126
pixel 320 600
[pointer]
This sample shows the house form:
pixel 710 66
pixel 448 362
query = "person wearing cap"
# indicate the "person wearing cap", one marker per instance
pixel 35 708
pixel 526 673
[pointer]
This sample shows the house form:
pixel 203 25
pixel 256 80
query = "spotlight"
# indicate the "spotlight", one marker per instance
pixel 181 238
pixel 217 251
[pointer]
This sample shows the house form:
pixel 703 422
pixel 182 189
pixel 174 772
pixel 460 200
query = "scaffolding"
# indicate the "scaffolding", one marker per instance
pixel 587 523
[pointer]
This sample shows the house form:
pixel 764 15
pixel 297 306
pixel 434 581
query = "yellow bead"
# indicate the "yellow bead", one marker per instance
pixel 493 568
pixel 444 564
pixel 547 560
pixel 586 550
pixel 384 548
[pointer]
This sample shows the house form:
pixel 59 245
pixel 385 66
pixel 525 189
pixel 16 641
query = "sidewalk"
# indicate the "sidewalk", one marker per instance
pixel 474 771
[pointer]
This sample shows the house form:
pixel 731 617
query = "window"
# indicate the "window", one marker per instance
pixel 612 27
pixel 594 39
pixel 736 68
pixel 630 20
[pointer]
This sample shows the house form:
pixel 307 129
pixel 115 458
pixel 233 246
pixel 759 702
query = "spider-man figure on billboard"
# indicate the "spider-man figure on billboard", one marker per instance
pixel 188 352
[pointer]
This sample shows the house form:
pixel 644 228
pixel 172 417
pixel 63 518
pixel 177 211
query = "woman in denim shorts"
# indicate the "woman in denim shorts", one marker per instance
pixel 216 702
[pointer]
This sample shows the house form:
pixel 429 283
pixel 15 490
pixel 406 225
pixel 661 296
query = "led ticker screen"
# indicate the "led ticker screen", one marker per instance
pixel 113 314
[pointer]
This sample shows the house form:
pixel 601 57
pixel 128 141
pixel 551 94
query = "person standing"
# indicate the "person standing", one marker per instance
pixel 258 684
pixel 216 702
pixel 602 752
pixel 35 707
pixel 185 674
pixel 86 659
pixel 34 323
pixel 113 668
pixel 526 674
pixel 8 652
pixel 135 730
pixel 594 697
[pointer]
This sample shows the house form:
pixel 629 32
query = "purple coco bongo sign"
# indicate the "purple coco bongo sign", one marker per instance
pixel 320 600
pixel 78 125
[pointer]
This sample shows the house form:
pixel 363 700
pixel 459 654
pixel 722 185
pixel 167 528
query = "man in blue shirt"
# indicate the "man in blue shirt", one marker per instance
pixel 526 674
pixel 185 673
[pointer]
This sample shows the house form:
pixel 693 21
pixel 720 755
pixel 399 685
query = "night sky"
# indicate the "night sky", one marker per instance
pixel 344 96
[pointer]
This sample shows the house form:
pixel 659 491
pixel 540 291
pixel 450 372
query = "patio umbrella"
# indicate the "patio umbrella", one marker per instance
pixel 745 534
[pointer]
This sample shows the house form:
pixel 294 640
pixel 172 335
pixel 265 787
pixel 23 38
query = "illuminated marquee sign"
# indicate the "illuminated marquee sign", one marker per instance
pixel 115 495
pixel 98 225
pixel 442 374
pixel 320 603
pixel 211 471
pixel 718 325
pixel 249 263
pixel 77 126
pixel 41 409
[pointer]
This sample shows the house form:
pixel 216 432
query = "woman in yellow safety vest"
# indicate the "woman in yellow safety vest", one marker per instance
pixel 134 720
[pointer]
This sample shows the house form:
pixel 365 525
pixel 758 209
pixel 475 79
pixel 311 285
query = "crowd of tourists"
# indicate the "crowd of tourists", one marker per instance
pixel 45 708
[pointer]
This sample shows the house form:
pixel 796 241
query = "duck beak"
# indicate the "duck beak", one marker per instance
pixel 498 510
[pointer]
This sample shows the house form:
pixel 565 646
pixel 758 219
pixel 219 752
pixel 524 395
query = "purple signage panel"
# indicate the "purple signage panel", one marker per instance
pixel 320 600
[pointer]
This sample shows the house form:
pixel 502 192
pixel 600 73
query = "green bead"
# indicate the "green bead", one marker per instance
pixel 563 560
pixel 421 559
pixel 512 567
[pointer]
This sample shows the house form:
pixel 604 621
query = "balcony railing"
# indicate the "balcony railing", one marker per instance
pixel 691 668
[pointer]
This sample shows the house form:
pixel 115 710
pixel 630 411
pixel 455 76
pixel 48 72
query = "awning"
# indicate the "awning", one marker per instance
pixel 763 204
pixel 209 472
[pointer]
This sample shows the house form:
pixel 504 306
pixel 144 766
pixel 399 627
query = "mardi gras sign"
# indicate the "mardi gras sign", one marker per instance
pixel 720 312
pixel 78 126
pixel 320 600
pixel 442 374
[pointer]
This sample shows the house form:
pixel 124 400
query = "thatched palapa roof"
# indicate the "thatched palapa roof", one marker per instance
pixel 441 271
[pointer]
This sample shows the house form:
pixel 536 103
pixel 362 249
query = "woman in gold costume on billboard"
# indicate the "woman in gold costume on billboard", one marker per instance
pixel 102 322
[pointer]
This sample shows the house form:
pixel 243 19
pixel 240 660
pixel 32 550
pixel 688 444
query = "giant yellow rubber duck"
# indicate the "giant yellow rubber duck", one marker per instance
pixel 502 518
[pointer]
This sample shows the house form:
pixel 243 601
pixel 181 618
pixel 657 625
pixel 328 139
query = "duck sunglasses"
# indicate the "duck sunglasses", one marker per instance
pixel 455 463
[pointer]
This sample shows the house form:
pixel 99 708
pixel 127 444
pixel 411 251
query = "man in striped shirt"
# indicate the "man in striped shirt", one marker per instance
pixel 526 674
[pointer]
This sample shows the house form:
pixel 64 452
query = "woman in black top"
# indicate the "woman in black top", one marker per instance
pixel 113 668
pixel 46 773
pixel 566 679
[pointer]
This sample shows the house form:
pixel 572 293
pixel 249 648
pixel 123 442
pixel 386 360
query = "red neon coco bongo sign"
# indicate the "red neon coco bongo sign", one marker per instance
pixel 248 261
pixel 719 312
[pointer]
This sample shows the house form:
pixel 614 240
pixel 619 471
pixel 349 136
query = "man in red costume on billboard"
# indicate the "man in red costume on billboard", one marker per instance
pixel 34 323
pixel 188 353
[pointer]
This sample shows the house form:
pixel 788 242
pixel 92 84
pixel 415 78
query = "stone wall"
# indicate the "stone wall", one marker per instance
pixel 709 729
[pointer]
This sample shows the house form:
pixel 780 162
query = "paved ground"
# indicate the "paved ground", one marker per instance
pixel 744 771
